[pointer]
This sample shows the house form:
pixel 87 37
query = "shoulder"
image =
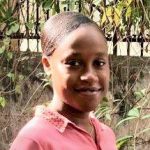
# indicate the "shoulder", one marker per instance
pixel 32 136
pixel 35 128
pixel 103 129
pixel 105 135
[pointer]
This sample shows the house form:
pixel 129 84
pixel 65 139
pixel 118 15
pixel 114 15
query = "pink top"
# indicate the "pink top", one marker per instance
pixel 51 131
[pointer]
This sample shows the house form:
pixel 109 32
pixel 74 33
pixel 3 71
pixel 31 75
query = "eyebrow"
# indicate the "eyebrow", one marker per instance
pixel 77 54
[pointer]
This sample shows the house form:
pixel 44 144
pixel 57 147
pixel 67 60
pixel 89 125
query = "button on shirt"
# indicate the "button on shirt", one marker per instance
pixel 49 130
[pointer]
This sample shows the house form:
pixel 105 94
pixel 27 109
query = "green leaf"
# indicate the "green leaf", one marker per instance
pixel 117 16
pixel 21 77
pixel 9 32
pixel 11 76
pixel 121 5
pixel 2 101
pixel 104 18
pixel 47 4
pixel 122 141
pixel 128 2
pixel 2 49
pixel 18 89
pixel 6 41
pixel 38 2
pixel 136 14
pixel 103 109
pixel 143 131
pixel 139 95
pixel 134 112
pixel 109 13
pixel 146 116
pixel 108 117
pixel 2 9
pixel 128 12
pixel 30 25
pixel 124 120
pixel 15 28
pixel 9 55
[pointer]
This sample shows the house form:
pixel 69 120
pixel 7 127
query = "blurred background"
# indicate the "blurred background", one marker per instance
pixel 23 84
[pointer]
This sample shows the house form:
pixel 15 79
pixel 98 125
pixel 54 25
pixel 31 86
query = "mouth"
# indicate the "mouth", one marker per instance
pixel 88 90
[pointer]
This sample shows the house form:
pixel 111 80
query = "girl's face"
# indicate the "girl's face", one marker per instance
pixel 80 69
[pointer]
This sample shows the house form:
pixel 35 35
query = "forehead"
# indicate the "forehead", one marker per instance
pixel 88 34
pixel 84 40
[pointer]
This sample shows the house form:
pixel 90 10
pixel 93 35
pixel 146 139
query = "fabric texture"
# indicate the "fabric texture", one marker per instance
pixel 49 130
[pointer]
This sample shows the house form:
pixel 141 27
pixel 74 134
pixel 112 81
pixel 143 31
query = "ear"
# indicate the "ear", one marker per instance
pixel 46 65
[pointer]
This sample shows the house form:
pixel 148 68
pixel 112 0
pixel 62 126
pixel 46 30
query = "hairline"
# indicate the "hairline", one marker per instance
pixel 93 24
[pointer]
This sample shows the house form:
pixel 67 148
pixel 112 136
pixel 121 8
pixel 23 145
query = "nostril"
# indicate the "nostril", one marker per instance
pixel 89 77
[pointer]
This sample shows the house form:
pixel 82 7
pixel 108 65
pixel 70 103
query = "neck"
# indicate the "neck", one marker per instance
pixel 78 117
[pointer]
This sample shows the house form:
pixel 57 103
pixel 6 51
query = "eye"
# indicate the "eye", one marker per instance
pixel 99 63
pixel 73 63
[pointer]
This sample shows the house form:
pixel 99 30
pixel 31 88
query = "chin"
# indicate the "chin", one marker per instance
pixel 88 108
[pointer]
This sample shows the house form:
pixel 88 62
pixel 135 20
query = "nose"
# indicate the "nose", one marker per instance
pixel 90 75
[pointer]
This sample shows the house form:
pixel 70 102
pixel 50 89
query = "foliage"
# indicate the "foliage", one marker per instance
pixel 104 110
pixel 137 114
pixel 2 101
pixel 125 18
pixel 121 142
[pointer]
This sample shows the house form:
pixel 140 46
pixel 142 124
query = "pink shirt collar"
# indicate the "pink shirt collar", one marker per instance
pixel 57 120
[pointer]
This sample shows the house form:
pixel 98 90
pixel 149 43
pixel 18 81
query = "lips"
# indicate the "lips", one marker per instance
pixel 88 90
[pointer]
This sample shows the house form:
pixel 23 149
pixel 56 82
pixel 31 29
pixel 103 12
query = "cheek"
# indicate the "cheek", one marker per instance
pixel 61 79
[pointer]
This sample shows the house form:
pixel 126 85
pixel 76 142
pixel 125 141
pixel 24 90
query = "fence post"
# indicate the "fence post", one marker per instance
pixel 27 30
pixel 115 44
pixel 37 25
pixel 80 5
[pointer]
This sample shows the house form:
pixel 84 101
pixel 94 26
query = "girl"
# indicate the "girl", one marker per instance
pixel 75 57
